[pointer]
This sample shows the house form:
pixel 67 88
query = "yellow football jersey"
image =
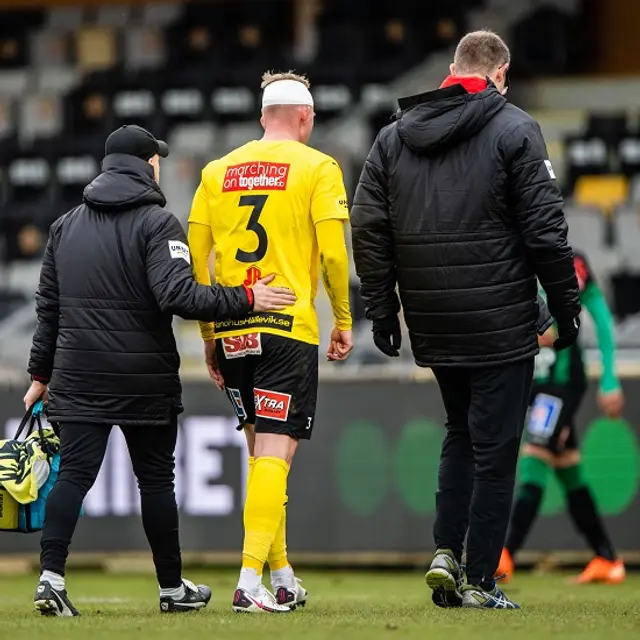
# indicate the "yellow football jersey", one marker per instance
pixel 262 202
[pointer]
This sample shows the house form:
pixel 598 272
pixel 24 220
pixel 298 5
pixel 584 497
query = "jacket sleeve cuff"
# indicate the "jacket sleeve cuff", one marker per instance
pixel 249 292
pixel 38 378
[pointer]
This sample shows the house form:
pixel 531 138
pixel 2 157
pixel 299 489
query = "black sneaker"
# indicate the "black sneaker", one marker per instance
pixel 195 598
pixel 50 602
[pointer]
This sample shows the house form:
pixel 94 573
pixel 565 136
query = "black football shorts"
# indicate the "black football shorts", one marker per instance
pixel 551 418
pixel 271 381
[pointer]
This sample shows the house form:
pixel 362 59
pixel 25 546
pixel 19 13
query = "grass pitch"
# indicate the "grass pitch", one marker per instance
pixel 347 606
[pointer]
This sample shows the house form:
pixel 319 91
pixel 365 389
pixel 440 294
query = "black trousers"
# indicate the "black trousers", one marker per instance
pixel 486 410
pixel 83 447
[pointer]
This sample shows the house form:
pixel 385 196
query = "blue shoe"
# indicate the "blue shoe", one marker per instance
pixel 478 598
pixel 445 579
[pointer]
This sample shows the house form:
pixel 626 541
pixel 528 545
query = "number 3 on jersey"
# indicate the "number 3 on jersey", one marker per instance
pixel 257 202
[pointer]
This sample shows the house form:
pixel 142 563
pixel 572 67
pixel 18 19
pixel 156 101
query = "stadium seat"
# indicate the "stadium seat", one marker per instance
pixel 232 104
pixel 587 229
pixel 180 105
pixel 96 48
pixel 635 190
pixel 585 157
pixel 629 155
pixel 28 179
pixel 88 111
pixel 627 237
pixel 65 18
pixel 40 116
pixel 611 128
pixel 589 232
pixel 144 48
pixel 134 106
pixel 55 80
pixel 197 139
pixel 605 192
pixel 161 14
pixel 393 45
pixel 331 100
pixel 117 15
pixel 50 48
pixel 7 118
pixel 73 173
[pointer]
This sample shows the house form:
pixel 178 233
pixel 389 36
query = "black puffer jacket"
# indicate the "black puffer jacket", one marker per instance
pixel 458 206
pixel 115 272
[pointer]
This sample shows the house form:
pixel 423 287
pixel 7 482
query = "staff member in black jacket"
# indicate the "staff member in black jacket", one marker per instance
pixel 115 272
pixel 459 208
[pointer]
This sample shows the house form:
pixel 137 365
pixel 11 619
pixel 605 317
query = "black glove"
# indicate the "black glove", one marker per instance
pixel 545 320
pixel 567 333
pixel 387 336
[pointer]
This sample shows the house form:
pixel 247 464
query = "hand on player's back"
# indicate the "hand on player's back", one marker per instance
pixel 340 345
pixel 267 298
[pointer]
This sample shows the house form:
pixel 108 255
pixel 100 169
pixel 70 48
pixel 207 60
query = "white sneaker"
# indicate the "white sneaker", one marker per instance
pixel 291 595
pixel 258 600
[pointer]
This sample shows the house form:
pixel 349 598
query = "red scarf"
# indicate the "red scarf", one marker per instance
pixel 471 83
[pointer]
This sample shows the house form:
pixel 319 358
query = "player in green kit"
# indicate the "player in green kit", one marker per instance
pixel 551 442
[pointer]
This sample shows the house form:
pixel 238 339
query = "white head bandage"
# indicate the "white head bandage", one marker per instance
pixel 286 92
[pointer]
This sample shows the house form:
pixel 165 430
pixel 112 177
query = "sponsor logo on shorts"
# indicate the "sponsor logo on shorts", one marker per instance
pixel 179 249
pixel 241 346
pixel 271 404
pixel 238 406
pixel 279 321
pixel 264 176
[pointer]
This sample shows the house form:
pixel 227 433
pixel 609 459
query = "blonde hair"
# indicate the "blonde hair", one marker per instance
pixel 269 77
pixel 480 52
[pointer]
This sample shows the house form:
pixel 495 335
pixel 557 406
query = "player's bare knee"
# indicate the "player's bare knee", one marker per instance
pixel 569 458
pixel 275 445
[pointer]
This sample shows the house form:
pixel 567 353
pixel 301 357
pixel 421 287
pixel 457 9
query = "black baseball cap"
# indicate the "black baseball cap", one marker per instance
pixel 135 141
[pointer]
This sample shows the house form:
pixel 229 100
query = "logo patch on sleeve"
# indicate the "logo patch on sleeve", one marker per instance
pixel 552 174
pixel 179 249
pixel 271 404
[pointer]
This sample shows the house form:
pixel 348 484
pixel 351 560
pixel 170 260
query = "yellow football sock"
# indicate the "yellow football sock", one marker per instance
pixel 263 510
pixel 277 558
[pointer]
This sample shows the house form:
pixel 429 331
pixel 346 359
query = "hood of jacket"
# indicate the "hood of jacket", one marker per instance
pixel 435 121
pixel 126 183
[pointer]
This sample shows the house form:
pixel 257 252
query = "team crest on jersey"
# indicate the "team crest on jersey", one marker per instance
pixel 253 275
pixel 260 175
